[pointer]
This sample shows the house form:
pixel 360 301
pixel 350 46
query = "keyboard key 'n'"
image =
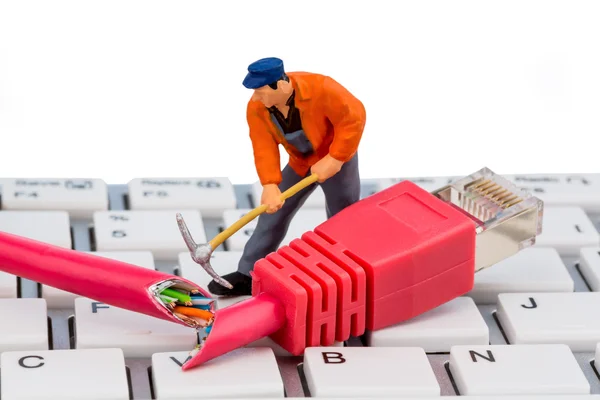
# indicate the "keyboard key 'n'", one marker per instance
pixel 99 325
pixel 517 370
pixel 455 322
pixel 79 197
pixel 242 373
pixel 155 231
pixel 563 318
pixel 535 269
pixel 24 325
pixel 369 372
pixel 64 374
pixel 210 196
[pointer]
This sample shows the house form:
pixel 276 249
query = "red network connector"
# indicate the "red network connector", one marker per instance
pixel 385 259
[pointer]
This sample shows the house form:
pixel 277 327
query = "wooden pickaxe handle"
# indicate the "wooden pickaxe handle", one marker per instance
pixel 221 237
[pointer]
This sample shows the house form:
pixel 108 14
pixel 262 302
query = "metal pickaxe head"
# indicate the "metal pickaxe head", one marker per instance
pixel 200 253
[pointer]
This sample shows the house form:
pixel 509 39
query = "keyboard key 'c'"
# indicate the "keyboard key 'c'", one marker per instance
pixel 64 374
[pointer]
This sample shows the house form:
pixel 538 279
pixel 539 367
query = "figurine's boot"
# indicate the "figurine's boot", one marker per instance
pixel 242 285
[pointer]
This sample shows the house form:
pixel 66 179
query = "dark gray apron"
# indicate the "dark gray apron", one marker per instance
pixel 297 139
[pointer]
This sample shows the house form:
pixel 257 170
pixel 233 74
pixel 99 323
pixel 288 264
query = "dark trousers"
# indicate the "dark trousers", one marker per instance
pixel 341 191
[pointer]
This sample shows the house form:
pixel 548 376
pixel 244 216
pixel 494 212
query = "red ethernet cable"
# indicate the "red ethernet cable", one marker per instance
pixel 389 257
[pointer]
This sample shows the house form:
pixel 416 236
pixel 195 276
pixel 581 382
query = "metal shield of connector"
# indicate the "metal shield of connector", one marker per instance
pixel 507 218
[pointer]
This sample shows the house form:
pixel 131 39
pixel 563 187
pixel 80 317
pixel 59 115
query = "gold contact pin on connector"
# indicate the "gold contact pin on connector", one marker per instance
pixel 507 219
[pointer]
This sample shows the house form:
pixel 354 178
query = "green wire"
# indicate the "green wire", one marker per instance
pixel 177 295
pixel 167 299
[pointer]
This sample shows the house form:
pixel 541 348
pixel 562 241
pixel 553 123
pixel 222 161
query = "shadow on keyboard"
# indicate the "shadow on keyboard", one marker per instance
pixel 531 324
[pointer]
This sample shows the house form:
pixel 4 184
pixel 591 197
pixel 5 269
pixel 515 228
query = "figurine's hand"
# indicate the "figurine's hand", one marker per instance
pixel 271 196
pixel 326 167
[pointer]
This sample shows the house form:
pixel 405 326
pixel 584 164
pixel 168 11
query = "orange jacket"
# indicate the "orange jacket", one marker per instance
pixel 332 118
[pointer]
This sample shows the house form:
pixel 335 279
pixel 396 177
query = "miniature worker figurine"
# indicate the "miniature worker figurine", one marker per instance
pixel 320 124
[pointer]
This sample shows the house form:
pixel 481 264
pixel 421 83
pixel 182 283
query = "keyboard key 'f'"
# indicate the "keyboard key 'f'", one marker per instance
pixel 210 196
pixel 64 374
pixel 369 372
pixel 453 323
pixel 79 197
pixel 564 318
pixel 99 325
pixel 243 373
pixel 155 231
pixel 517 370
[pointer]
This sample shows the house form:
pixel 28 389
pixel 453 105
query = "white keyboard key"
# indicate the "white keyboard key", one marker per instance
pixel 52 227
pixel 24 324
pixel 79 197
pixel 369 372
pixel 47 226
pixel 64 374
pixel 427 183
pixel 57 298
pixel 597 357
pixel 304 220
pixel 455 322
pixel 517 370
pixel 531 270
pixel 539 318
pixel 589 265
pixel 582 190
pixel 156 231
pixel 315 200
pixel 567 229
pixel 242 373
pixel 210 196
pixel 99 325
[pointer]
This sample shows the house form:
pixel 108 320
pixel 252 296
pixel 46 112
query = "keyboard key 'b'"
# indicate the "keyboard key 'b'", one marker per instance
pixel 242 373
pixel 64 374
pixel 369 372
pixel 517 370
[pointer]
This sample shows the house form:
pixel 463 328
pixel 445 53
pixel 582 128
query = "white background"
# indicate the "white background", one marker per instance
pixel 449 86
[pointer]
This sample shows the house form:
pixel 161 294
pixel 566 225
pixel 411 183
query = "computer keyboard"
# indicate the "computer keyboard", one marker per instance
pixel 530 326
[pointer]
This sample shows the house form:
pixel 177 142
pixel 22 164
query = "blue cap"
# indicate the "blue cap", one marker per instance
pixel 263 72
